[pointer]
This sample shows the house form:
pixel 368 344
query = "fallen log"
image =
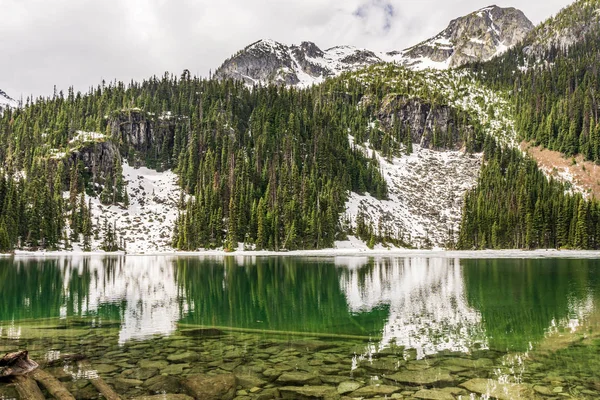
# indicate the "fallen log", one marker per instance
pixel 27 388
pixel 65 359
pixel 52 385
pixel 101 386
pixel 17 363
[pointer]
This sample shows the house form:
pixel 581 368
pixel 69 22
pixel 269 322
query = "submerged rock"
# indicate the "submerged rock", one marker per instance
pixel 375 390
pixel 501 391
pixel 247 381
pixel 166 396
pixel 432 394
pixel 432 376
pixel 188 356
pixel 163 384
pixel 218 387
pixel 348 386
pixel 308 392
pixel 298 378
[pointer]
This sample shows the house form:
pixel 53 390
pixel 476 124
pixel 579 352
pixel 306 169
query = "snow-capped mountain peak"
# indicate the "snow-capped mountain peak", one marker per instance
pixel 268 61
pixel 479 35
pixel 6 100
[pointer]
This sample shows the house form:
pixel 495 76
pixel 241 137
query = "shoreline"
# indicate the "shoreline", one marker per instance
pixel 328 253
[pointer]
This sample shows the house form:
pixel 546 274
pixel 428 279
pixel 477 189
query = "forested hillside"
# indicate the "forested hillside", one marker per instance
pixel 554 81
pixel 279 168
pixel 268 166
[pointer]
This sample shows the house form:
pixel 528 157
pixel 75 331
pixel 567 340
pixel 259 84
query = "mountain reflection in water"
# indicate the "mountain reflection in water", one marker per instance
pixel 428 308
pixel 429 304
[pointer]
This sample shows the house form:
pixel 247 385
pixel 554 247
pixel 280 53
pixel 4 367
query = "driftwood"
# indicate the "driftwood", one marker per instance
pixel 27 388
pixel 15 364
pixel 23 373
pixel 65 358
pixel 52 385
pixel 101 386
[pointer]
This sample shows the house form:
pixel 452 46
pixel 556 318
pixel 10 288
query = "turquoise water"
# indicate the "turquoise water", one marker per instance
pixel 533 324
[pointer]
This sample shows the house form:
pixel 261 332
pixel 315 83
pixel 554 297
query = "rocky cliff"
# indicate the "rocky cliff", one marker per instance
pixel 569 26
pixel 98 158
pixel 268 61
pixel 476 36
pixel 431 126
pixel 143 139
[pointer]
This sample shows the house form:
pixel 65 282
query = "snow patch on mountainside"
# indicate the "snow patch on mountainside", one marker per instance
pixel 147 223
pixel 455 88
pixel 425 195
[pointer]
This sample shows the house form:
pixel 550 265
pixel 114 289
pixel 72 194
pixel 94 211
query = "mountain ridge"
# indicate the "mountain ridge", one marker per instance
pixel 479 35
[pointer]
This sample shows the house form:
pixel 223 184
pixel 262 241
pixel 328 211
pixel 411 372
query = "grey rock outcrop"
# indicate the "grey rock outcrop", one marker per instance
pixel 568 27
pixel 141 137
pixel 98 159
pixel 424 120
pixel 268 61
pixel 474 37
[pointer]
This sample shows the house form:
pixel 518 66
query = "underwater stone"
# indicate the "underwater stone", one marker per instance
pixel 218 387
pixel 432 376
pixel 348 386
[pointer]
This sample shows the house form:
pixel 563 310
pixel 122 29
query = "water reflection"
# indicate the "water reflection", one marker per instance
pixel 428 309
pixel 140 292
pixel 430 305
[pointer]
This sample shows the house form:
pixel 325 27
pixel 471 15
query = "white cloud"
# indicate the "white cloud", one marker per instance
pixel 80 42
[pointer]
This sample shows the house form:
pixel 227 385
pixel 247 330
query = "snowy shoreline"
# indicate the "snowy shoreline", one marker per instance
pixel 436 253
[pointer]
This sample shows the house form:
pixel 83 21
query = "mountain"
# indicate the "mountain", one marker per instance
pixel 475 37
pixel 478 36
pixel 306 64
pixel 384 154
pixel 569 26
pixel 6 100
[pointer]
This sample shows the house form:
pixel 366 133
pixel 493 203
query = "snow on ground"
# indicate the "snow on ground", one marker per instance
pixel 426 194
pixel 82 136
pixel 456 88
pixel 147 224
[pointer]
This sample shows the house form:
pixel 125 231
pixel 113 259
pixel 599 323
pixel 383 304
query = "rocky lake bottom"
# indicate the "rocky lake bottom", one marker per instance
pixel 258 328
pixel 209 363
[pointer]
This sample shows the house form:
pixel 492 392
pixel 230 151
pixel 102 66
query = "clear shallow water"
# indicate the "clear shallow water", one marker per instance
pixel 421 325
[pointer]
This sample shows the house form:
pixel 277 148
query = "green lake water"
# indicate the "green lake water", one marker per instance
pixel 291 327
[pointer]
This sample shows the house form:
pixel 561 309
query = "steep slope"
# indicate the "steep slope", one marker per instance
pixel 478 36
pixel 553 83
pixel 6 100
pixel 474 37
pixel 568 27
pixel 270 61
pixel 428 180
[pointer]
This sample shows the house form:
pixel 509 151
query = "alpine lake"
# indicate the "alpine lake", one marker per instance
pixel 306 327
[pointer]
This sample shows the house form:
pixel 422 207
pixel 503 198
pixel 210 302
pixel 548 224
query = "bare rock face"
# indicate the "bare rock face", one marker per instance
pixel 423 119
pixel 142 137
pixel 268 61
pixel 568 27
pixel 478 36
pixel 98 158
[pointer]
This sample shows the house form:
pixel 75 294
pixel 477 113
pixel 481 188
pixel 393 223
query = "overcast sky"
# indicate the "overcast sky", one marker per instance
pixel 80 42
